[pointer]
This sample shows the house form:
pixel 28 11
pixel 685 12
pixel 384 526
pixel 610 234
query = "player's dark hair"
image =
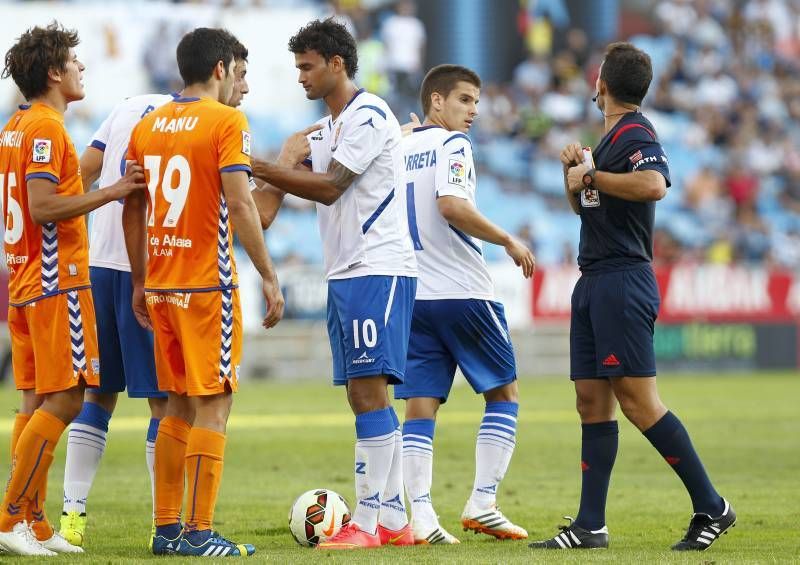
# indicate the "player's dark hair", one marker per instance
pixel 328 38
pixel 627 72
pixel 201 49
pixel 36 52
pixel 443 79
pixel 240 52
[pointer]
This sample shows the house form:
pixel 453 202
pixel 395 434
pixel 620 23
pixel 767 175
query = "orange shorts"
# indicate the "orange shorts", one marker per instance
pixel 54 342
pixel 198 340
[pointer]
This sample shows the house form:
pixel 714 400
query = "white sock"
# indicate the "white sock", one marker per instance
pixel 393 509
pixel 493 451
pixel 375 444
pixel 150 457
pixel 85 447
pixel 418 471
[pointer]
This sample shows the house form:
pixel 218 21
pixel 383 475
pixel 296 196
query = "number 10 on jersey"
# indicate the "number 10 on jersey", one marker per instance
pixel 174 193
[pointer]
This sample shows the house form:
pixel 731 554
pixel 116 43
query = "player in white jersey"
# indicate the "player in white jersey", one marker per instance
pixel 357 179
pixel 126 349
pixel 456 320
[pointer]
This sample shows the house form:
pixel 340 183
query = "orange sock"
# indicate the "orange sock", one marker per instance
pixel 32 458
pixel 170 466
pixel 204 459
pixel 35 514
pixel 20 421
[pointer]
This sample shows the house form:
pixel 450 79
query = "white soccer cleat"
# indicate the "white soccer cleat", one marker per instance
pixel 433 536
pixel 21 541
pixel 58 544
pixel 490 521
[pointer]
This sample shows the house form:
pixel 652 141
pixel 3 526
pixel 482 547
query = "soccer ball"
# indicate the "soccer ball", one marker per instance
pixel 317 515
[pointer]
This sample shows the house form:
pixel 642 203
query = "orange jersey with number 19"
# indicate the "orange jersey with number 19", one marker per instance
pixel 183 147
pixel 42 260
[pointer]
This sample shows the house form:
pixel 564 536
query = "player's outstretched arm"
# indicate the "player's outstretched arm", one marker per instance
pixel 268 201
pixel 285 175
pixel 636 186
pixel 91 165
pixel 46 205
pixel 133 226
pixel 245 219
pixel 325 188
pixel 461 214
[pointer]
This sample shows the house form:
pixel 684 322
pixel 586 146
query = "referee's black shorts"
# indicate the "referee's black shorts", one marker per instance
pixel 613 317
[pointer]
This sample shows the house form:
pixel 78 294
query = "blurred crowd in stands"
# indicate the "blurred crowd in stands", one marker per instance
pixel 725 101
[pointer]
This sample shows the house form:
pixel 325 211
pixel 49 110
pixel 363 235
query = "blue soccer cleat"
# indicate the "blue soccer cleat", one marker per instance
pixel 162 545
pixel 215 546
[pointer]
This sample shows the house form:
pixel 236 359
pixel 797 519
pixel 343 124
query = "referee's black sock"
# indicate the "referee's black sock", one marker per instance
pixel 598 452
pixel 672 441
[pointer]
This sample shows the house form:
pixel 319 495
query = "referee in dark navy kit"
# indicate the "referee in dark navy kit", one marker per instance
pixel 615 305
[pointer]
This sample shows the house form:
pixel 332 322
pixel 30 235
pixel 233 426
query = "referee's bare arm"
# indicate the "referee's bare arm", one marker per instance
pixel 636 186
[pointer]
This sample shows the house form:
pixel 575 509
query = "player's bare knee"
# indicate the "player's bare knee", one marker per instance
pixel 505 393
pixel 641 412
pixel 30 402
pixel 422 408
pixel 108 401
pixel 158 407
pixel 595 408
pixel 64 405
pixel 368 394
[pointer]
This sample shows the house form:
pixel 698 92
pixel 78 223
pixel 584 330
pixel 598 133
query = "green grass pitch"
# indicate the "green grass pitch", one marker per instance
pixel 285 439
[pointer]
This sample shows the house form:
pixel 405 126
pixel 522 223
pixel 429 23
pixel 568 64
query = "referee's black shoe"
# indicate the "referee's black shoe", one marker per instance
pixel 574 537
pixel 704 530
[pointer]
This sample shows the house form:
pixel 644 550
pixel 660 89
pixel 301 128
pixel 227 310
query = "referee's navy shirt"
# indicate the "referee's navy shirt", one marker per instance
pixel 617 233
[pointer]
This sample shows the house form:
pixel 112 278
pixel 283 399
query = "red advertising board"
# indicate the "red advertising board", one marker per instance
pixel 690 292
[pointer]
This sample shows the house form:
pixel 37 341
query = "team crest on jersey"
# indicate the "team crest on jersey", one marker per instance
pixel 41 150
pixel 246 143
pixel 335 143
pixel 457 172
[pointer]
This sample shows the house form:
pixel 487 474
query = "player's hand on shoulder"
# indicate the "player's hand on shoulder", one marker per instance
pixel 571 155
pixel 297 147
pixel 522 256
pixel 275 302
pixel 407 128
pixel 139 306
pixel 131 182
pixel 575 177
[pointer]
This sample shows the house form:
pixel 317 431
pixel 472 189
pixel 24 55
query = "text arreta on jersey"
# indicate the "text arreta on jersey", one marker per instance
pixel 163 247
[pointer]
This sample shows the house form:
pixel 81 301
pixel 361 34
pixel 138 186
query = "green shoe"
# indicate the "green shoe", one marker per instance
pixel 73 527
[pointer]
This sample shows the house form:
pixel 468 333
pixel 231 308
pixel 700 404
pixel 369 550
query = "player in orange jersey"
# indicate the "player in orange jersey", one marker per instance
pixel 51 314
pixel 196 154
pixel 126 349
